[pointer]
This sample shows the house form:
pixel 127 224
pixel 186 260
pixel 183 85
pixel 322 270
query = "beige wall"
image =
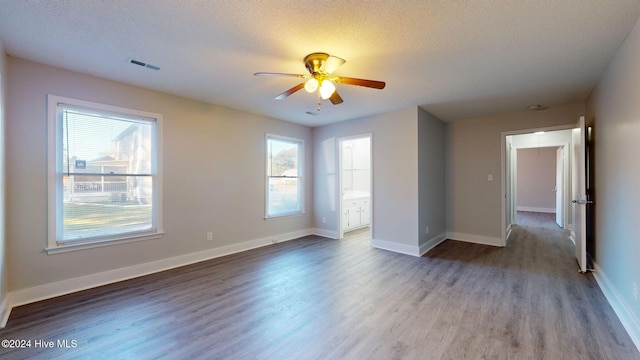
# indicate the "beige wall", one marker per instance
pixel 3 246
pixel 537 179
pixel 474 152
pixel 431 177
pixel 394 174
pixel 214 179
pixel 615 108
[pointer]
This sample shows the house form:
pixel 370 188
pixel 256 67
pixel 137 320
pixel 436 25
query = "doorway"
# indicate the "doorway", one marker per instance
pixel 540 177
pixel 576 196
pixel 552 197
pixel 355 183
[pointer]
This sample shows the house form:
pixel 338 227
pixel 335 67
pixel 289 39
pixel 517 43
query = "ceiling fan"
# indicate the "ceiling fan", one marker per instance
pixel 321 66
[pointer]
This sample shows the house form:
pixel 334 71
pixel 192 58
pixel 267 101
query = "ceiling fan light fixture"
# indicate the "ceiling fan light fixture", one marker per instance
pixel 327 89
pixel 320 67
pixel 311 85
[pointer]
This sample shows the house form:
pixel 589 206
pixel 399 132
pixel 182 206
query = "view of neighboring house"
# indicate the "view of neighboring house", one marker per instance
pixel 107 177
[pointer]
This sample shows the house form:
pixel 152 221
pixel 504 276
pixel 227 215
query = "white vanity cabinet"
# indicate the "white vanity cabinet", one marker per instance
pixel 356 213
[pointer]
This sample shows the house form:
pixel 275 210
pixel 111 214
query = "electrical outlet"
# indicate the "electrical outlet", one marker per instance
pixel 427 229
pixel 210 236
pixel 635 291
pixel 324 220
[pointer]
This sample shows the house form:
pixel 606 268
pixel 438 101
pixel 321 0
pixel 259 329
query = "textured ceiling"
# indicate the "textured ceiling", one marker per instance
pixel 456 59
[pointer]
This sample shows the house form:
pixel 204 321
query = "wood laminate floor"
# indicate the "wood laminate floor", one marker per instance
pixel 536 220
pixel 315 298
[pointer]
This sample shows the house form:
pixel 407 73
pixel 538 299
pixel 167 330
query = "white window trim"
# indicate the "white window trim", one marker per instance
pixel 53 205
pixel 301 165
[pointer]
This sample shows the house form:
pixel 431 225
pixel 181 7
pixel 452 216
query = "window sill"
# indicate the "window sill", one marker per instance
pixel 84 246
pixel 283 216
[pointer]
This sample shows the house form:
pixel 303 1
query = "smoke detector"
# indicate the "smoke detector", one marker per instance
pixel 537 107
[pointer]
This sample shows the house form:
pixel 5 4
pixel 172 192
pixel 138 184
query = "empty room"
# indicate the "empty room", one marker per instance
pixel 319 179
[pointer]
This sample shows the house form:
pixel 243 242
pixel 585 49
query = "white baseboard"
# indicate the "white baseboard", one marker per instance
pixel 476 239
pixel 408 249
pixel 5 310
pixel 508 232
pixel 396 247
pixel 47 291
pixel 536 209
pixel 326 233
pixel 628 319
pixel 433 242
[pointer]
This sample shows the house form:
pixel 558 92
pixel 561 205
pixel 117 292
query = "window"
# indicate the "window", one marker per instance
pixel 284 176
pixel 104 176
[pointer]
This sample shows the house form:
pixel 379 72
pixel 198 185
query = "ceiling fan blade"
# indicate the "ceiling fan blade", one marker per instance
pixel 280 74
pixel 335 98
pixel 331 64
pixel 289 92
pixel 360 82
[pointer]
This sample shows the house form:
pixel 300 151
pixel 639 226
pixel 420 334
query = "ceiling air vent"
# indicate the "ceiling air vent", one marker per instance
pixel 136 62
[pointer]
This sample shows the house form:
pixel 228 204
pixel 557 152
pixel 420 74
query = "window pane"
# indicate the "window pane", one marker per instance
pixel 95 143
pixel 283 196
pixel 283 167
pixel 106 161
pixel 283 158
pixel 106 207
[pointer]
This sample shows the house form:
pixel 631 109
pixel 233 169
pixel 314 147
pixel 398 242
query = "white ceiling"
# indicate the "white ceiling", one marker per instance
pixel 456 59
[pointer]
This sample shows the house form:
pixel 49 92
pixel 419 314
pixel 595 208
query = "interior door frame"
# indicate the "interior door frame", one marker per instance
pixel 511 193
pixel 560 190
pixel 339 143
pixel 506 228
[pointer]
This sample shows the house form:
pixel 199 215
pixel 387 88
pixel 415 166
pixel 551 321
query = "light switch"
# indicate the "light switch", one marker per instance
pixel 490 177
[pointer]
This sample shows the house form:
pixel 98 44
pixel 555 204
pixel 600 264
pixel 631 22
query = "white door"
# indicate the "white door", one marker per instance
pixel 365 213
pixel 579 195
pixel 560 187
pixel 354 217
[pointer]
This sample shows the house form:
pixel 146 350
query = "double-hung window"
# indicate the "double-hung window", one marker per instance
pixel 104 174
pixel 284 176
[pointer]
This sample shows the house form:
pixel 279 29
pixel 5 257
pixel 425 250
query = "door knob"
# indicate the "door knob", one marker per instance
pixel 582 202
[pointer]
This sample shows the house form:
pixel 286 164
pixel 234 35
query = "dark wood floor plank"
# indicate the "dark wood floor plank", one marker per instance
pixel 315 298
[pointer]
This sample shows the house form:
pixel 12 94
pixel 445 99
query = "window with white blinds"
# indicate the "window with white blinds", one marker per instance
pixel 284 176
pixel 104 173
